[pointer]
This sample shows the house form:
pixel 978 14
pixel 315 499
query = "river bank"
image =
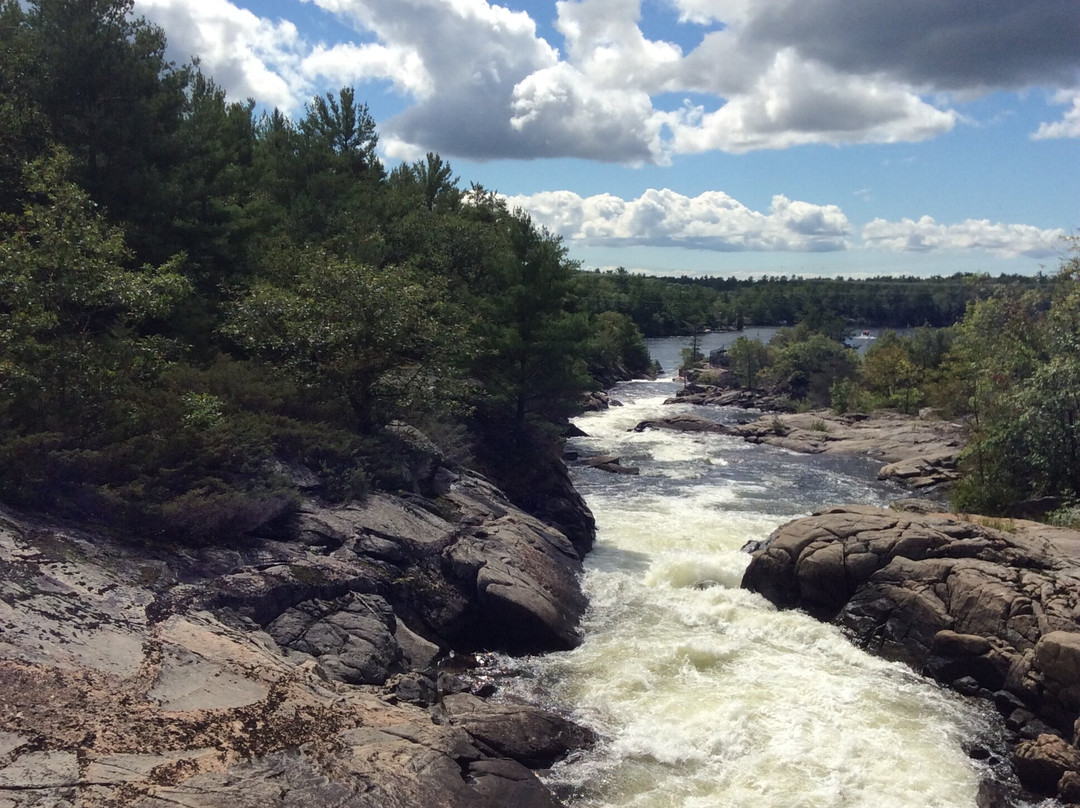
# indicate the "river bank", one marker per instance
pixel 986 607
pixel 315 666
pixel 920 453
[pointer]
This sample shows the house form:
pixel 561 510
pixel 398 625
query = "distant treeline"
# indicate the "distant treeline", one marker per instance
pixel 668 306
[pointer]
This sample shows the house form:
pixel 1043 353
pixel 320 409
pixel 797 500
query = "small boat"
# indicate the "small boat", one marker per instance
pixel 866 335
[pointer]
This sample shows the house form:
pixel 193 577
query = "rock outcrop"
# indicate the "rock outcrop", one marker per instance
pixel 917 452
pixel 720 396
pixel 274 673
pixel 990 609
pixel 685 423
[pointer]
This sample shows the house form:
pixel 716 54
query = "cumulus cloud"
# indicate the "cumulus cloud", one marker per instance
pixel 1069 125
pixel 710 221
pixel 473 54
pixel 482 83
pixel 718 222
pixel 250 56
pixel 927 43
pixel 926 235
pixel 348 64
pixel 793 103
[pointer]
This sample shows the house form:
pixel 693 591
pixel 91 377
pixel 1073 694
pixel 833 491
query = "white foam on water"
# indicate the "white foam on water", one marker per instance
pixel 705 695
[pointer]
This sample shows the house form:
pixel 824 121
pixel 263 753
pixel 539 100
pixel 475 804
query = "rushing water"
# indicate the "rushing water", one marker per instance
pixel 704 694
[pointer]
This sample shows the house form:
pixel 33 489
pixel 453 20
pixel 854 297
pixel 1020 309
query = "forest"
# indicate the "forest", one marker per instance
pixel 198 299
pixel 670 306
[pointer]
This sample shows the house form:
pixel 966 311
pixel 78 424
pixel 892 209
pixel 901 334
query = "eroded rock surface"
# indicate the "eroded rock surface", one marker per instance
pixel 917 452
pixel 993 610
pixel 685 423
pixel 721 396
pixel 277 673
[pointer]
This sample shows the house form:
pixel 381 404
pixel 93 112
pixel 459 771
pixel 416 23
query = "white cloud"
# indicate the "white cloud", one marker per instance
pixel 605 43
pixel 710 221
pixel 569 114
pixel 250 56
pixel 347 64
pixel 472 55
pixel 926 235
pixel 599 100
pixel 716 221
pixel 483 83
pixel 793 102
pixel 1069 125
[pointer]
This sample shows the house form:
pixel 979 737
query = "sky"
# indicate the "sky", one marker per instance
pixel 704 137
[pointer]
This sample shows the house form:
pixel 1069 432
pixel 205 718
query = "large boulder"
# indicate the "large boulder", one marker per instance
pixel 1041 763
pixel 684 423
pixel 351 637
pixel 532 736
pixel 919 453
pixel 991 610
pixel 719 396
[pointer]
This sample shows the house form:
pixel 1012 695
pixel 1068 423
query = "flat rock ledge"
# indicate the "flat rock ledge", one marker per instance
pixel 717 396
pixel 918 453
pixel 283 673
pixel 989 607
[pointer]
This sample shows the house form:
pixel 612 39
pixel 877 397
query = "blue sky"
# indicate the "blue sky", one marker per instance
pixel 835 137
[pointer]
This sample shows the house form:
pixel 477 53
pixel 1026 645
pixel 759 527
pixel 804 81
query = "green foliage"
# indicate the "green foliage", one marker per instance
pixel 112 100
pixel 1065 516
pixel 748 358
pixel 842 396
pixel 531 362
pixel 382 340
pixel 889 373
pixel 667 306
pixel 71 303
pixel 616 349
pixel 806 369
pixel 202 307
pixel 1018 373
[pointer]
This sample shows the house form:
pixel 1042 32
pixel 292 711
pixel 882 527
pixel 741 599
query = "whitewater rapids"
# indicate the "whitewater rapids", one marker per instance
pixel 704 694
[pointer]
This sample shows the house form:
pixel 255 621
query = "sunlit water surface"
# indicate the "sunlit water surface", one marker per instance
pixel 704 694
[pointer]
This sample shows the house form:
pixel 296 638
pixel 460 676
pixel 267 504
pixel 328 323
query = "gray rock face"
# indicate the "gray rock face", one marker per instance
pixel 609 463
pixel 276 673
pixel 719 396
pixel 533 737
pixel 1042 763
pixel 685 423
pixel 989 611
pixel 352 638
pixel 919 453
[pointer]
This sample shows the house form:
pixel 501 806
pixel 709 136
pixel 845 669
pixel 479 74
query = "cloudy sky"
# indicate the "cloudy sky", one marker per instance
pixel 851 137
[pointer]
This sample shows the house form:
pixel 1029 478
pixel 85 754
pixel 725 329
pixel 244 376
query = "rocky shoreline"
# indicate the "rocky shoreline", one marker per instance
pixel 306 667
pixel 989 608
pixel 920 453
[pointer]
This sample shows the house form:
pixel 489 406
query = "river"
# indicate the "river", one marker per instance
pixel 704 694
